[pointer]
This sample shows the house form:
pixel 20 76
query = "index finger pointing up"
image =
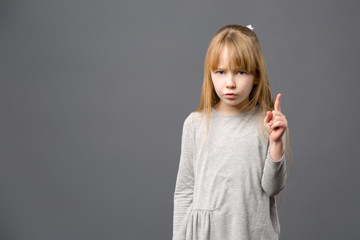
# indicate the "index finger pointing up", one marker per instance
pixel 277 102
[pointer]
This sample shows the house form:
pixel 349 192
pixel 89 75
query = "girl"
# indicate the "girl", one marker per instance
pixel 232 162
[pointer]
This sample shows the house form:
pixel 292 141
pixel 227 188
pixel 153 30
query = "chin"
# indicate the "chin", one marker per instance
pixel 232 102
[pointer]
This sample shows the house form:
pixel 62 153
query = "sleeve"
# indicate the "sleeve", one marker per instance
pixel 183 196
pixel 274 175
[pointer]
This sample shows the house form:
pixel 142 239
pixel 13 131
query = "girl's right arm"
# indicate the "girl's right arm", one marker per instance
pixel 183 196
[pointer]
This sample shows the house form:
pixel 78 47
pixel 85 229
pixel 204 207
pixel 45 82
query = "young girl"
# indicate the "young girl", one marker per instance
pixel 232 162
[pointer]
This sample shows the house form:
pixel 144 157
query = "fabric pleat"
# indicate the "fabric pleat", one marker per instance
pixel 199 224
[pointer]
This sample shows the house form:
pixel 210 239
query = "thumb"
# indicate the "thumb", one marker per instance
pixel 268 117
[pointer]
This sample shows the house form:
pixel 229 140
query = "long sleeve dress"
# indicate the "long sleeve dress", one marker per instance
pixel 226 186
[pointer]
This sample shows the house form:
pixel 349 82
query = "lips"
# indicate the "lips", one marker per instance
pixel 230 95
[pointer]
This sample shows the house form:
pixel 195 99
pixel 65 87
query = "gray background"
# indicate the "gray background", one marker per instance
pixel 93 96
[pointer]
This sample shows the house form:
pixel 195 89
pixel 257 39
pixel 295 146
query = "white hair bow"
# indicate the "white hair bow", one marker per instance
pixel 250 27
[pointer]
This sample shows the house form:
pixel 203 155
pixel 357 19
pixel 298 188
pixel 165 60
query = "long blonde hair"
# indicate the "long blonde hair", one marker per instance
pixel 246 54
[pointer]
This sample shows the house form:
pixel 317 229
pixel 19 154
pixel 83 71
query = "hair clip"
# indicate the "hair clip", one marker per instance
pixel 250 27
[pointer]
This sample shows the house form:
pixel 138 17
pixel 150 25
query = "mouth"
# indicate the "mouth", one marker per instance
pixel 230 95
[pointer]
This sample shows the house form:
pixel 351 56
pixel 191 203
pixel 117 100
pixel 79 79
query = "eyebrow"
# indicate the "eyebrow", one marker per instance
pixel 223 68
pixel 220 68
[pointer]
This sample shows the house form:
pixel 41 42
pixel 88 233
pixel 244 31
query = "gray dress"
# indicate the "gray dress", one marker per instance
pixel 226 186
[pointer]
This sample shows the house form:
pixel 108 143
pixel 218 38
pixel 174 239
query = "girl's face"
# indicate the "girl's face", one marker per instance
pixel 232 87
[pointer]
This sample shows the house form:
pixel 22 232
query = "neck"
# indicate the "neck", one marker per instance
pixel 232 109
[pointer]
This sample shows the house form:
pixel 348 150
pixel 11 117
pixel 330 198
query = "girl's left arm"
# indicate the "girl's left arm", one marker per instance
pixel 274 173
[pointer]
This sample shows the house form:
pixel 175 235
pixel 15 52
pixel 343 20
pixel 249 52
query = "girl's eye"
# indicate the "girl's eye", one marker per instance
pixel 220 72
pixel 241 73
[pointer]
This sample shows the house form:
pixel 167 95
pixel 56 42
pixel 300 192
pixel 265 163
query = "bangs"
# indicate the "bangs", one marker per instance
pixel 240 55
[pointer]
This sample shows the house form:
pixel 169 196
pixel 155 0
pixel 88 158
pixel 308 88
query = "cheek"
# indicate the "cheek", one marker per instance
pixel 216 84
pixel 245 85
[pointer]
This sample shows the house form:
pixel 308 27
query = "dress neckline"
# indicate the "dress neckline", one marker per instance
pixel 234 115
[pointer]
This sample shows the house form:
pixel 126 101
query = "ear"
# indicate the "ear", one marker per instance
pixel 256 81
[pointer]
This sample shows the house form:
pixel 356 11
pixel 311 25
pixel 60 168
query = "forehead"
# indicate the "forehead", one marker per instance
pixel 224 60
pixel 229 57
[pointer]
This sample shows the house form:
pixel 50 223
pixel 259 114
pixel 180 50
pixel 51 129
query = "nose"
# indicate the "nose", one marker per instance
pixel 230 81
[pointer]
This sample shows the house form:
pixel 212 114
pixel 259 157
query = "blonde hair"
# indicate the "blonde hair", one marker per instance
pixel 244 53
